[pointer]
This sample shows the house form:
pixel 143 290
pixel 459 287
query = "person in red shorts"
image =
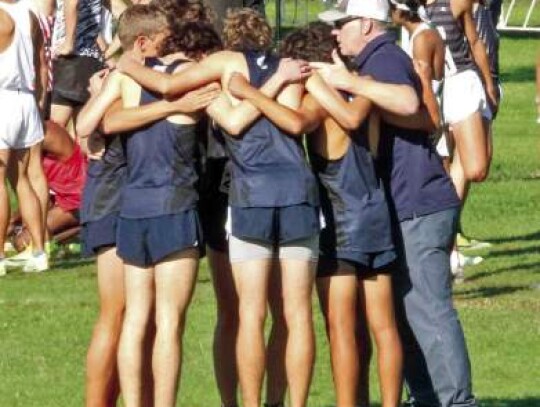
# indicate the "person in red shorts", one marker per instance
pixel 64 165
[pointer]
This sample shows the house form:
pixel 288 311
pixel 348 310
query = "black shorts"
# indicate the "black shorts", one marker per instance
pixel 365 265
pixel 71 78
pixel 213 203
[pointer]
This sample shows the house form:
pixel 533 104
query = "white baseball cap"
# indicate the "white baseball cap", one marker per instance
pixel 373 9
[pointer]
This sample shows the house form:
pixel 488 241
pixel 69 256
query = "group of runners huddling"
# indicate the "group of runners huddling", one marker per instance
pixel 310 165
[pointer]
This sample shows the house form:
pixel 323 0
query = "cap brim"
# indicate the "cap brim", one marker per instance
pixel 331 16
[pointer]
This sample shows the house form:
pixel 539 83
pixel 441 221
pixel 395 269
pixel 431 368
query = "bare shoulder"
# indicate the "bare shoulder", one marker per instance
pixel 7 25
pixel 459 7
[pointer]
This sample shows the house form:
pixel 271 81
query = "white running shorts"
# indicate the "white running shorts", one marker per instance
pixel 20 122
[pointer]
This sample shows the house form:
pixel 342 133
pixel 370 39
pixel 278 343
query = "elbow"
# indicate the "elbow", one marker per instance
pixel 233 128
pixel 411 105
pixel 350 123
pixel 296 128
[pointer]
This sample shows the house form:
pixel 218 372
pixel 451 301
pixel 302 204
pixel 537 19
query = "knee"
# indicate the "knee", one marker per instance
pixel 298 315
pixel 252 315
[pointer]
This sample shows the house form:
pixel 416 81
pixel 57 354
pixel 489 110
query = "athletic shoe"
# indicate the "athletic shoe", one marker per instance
pixel 3 267
pixel 37 263
pixel 20 258
pixel 464 242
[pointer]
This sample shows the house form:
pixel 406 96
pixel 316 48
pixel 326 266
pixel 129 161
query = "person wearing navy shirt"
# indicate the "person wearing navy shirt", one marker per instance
pixel 425 206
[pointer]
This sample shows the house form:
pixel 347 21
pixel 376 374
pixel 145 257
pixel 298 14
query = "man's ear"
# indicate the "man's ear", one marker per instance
pixel 140 43
pixel 366 26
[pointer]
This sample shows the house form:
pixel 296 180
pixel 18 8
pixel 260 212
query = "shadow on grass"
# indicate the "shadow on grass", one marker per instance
pixel 524 402
pixel 515 252
pixel 527 237
pixel 517 267
pixel 487 292
pixel 519 74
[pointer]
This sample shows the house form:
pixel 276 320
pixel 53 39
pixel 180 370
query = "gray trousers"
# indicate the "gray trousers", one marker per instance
pixel 436 363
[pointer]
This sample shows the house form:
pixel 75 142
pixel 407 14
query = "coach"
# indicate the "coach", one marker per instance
pixel 425 207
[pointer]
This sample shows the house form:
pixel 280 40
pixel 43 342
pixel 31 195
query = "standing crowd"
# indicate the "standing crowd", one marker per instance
pixel 339 161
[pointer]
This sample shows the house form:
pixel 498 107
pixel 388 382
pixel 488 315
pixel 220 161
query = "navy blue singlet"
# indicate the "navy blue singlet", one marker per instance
pixel 268 167
pixel 162 166
pixel 104 182
pixel 353 202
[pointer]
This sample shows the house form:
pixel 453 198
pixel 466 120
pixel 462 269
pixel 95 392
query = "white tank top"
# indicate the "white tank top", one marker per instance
pixel 17 60
pixel 436 85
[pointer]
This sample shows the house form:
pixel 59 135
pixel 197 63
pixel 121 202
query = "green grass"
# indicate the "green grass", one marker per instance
pixel 46 320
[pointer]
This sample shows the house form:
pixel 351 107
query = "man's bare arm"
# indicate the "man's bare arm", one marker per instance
pixel 348 115
pixel 93 111
pixel 208 70
pixel 296 122
pixel 118 119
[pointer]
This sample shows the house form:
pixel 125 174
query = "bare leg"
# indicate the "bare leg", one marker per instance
pixel 382 321
pixel 139 294
pixel 251 280
pixel 471 145
pixel 28 201
pixel 61 114
pixel 226 330
pixel 363 341
pixel 297 279
pixel 39 182
pixel 276 374
pixel 175 279
pixel 338 298
pixel 102 383
pixel 59 220
pixel 4 199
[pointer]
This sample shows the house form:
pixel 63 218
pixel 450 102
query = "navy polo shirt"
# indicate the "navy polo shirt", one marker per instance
pixel 411 169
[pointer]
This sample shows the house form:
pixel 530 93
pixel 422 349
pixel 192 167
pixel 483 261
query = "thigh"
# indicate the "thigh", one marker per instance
pixel 175 279
pixel 244 250
pixel 251 279
pixel 377 292
pixel 297 278
pixel 59 220
pixel 139 290
pixel 61 113
pixel 110 276
pixel 471 140
pixel 338 295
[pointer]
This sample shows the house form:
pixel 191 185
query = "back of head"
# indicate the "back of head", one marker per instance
pixel 140 20
pixel 182 11
pixel 409 9
pixel 246 30
pixel 194 39
pixel 314 42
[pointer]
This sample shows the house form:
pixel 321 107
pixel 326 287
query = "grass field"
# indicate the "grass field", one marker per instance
pixel 46 320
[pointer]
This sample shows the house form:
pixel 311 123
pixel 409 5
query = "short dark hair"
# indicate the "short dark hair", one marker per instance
pixel 139 20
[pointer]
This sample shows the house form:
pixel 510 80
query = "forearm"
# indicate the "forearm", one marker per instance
pixel 342 112
pixel 283 117
pixel 398 99
pixel 235 119
pixel 71 18
pixel 123 120
pixel 482 61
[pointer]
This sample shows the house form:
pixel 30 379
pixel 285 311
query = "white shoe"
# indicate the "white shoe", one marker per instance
pixel 3 267
pixel 37 263
pixel 20 258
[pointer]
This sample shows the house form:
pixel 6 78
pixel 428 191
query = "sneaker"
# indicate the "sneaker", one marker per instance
pixel 37 263
pixel 3 267
pixel 20 258
pixel 464 242
pixel 458 274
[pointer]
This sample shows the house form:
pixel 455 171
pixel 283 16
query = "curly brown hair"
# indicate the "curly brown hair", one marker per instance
pixel 183 11
pixel 313 42
pixel 194 39
pixel 246 30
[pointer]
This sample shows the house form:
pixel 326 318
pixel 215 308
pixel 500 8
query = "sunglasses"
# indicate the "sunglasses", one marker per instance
pixel 340 23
